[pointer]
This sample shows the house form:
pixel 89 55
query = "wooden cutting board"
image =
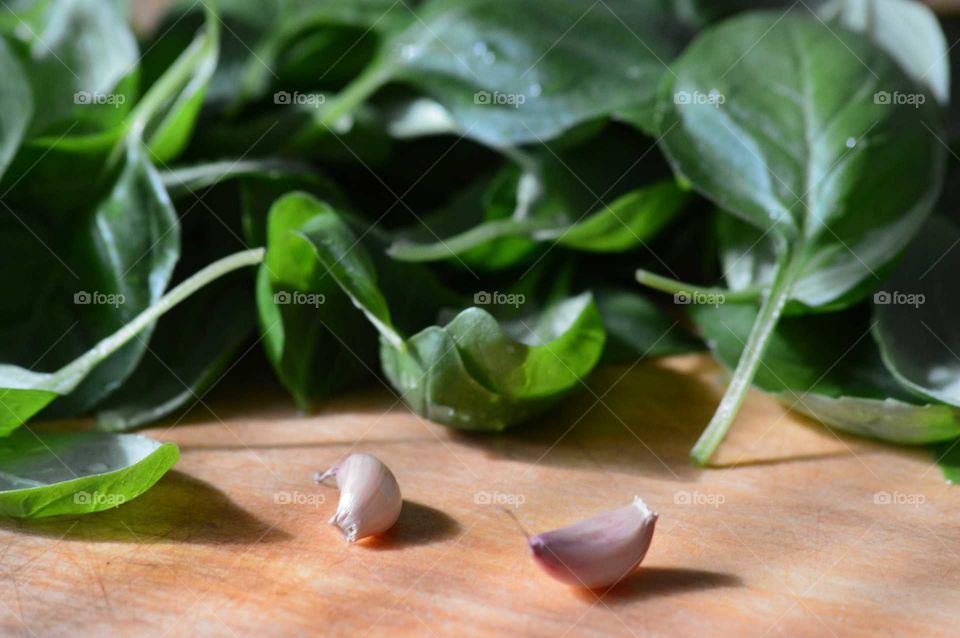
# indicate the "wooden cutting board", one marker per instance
pixel 803 533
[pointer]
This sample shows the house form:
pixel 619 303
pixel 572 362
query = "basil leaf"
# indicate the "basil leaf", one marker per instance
pixel 559 196
pixel 314 353
pixel 264 40
pixel 16 106
pixel 333 243
pixel 826 366
pixel 490 379
pixel 259 192
pixel 82 58
pixel 638 329
pixel 629 221
pixel 77 473
pixel 947 455
pixel 24 393
pixel 469 54
pixel 795 187
pixel 44 161
pixel 131 246
pixel 163 119
pixel 472 375
pixel 784 123
pixel 98 268
pixel 624 224
pixel 314 289
pixel 166 114
pixel 749 261
pixel 322 237
pixel 908 30
pixel 889 420
pixel 914 328
pixel 504 71
pixel 486 226
pixel 177 372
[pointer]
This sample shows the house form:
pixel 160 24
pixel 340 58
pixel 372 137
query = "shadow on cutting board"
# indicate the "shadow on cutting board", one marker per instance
pixel 641 419
pixel 178 509
pixel 637 419
pixel 649 582
pixel 418 524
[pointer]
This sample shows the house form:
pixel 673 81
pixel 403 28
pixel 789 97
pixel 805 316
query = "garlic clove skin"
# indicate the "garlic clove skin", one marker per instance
pixel 597 552
pixel 370 498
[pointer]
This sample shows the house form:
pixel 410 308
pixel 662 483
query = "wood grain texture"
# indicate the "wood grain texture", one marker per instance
pixel 788 540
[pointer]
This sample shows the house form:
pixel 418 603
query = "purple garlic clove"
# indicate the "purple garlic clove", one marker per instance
pixel 599 551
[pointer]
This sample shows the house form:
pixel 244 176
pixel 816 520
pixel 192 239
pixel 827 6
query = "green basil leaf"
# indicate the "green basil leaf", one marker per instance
pixel 914 328
pixel 260 190
pixel 24 392
pixel 177 372
pixel 500 69
pixel 83 59
pixel 503 380
pixel 314 354
pixel 98 268
pixel 322 237
pixel 134 244
pixel 638 329
pixel 505 72
pixel 44 161
pixel 473 375
pixel 163 118
pixel 270 44
pixel 563 197
pixel 316 339
pixel 908 30
pixel 166 114
pixel 834 151
pixel 486 226
pixel 314 289
pixel 889 420
pixel 749 262
pixel 799 129
pixel 77 473
pixel 947 455
pixel 629 221
pixel 826 366
pixel 16 106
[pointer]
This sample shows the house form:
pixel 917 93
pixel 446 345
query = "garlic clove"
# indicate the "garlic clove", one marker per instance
pixel 599 551
pixel 370 498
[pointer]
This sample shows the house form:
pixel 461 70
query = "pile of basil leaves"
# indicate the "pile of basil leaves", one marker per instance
pixel 477 201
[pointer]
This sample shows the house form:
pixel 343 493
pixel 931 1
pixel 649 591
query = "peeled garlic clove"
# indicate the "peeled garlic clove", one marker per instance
pixel 599 551
pixel 369 496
